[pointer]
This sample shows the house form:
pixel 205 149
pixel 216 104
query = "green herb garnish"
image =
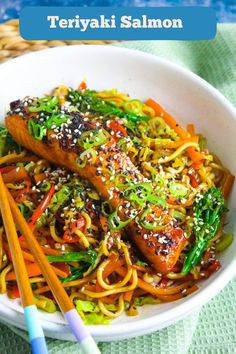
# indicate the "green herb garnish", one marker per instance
pixel 208 210
pixel 88 101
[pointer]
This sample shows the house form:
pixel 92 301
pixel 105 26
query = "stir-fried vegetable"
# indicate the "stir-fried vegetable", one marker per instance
pixel 44 303
pixel 42 207
pixel 146 300
pixel 115 223
pixel 86 259
pixel 58 199
pixel 86 100
pixel 89 256
pixel 225 242
pixel 47 104
pixel 208 211
pixel 7 143
pixel 90 313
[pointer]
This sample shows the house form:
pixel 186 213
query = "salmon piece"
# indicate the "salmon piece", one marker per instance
pixel 160 247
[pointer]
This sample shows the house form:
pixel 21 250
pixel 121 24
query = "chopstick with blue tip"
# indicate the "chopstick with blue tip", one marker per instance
pixel 36 336
pixel 81 332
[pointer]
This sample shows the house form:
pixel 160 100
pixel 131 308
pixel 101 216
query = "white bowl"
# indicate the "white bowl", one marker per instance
pixel 182 93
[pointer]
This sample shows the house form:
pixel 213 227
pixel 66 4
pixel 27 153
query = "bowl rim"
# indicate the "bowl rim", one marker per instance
pixel 192 302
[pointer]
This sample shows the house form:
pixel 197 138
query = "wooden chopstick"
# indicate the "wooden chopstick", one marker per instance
pixel 37 339
pixel 75 323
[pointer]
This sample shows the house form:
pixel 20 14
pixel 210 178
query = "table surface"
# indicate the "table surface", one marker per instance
pixel 225 10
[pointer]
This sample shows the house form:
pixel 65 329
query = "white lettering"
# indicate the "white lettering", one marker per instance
pixel 53 20
pixel 167 23
pixel 63 23
pixel 84 22
pixel 126 22
pixel 177 23
pixel 70 22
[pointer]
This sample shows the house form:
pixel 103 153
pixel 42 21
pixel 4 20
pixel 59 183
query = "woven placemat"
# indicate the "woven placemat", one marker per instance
pixel 12 44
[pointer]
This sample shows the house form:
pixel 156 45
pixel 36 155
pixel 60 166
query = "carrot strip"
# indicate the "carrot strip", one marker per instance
pixel 194 155
pixel 173 201
pixel 174 297
pixel 112 265
pixel 104 222
pixel 28 257
pixel 48 251
pixel 7 169
pixel 167 117
pixel 128 296
pixel 153 290
pixel 109 299
pixel 191 129
pixel 140 268
pixel 90 287
pixel 99 287
pixel 177 144
pixel 33 270
pixel 15 175
pixel 39 177
pixel 228 184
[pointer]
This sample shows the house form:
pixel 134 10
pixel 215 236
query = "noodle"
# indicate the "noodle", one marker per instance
pixel 3 285
pixel 176 153
pixel 113 291
pixel 119 311
pixel 96 264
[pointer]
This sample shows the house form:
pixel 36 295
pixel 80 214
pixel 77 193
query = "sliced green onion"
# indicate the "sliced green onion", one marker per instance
pixel 116 223
pixel 47 104
pixel 178 189
pixel 158 179
pixel 154 199
pixel 57 120
pixel 133 106
pixel 23 209
pixel 202 141
pixel 36 130
pixel 83 159
pixel 81 163
pixel 93 195
pixel 45 186
pixel 122 141
pixel 120 184
pixel 106 205
pixel 138 193
pixel 92 138
pixel 91 152
pixel 148 225
pixel 29 166
pixel 225 242
pixel 179 216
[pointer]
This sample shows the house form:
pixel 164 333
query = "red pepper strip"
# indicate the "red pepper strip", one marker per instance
pixel 214 266
pixel 193 181
pixel 42 206
pixel 79 224
pixel 119 131
pixel 196 165
pixel 13 292
pixel 23 193
pixel 40 209
pixel 7 169
pixel 82 86
pixel 163 283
